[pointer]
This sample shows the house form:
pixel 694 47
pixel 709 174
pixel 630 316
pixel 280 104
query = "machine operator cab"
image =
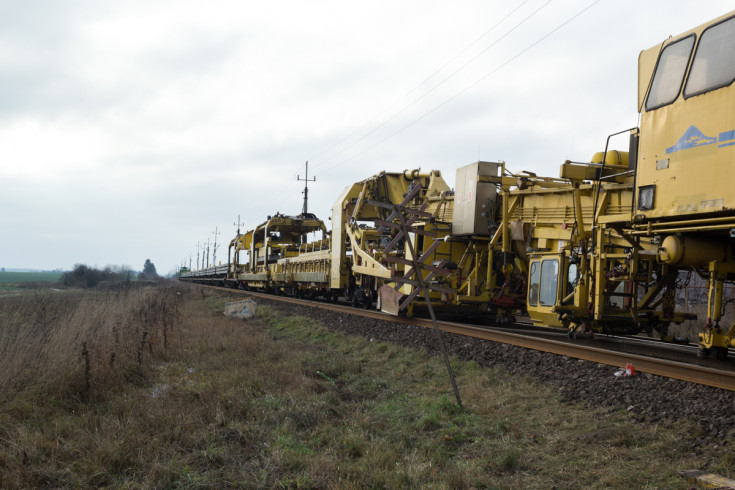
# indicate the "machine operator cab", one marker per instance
pixel 687 135
pixel 552 279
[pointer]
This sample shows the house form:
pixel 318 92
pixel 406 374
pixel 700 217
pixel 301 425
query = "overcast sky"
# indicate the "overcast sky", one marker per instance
pixel 131 130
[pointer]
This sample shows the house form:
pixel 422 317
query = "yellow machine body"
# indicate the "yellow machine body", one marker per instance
pixel 551 228
pixel 686 164
pixel 274 254
pixel 358 243
pixel 687 145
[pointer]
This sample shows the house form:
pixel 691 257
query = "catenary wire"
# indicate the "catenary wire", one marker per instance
pixel 280 191
pixel 415 88
pixel 468 87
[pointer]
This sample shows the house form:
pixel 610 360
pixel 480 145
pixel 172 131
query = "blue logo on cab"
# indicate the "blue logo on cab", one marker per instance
pixel 694 138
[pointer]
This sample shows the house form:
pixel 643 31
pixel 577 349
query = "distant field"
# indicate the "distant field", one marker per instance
pixel 19 277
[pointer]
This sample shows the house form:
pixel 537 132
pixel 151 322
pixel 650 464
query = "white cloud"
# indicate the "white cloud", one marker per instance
pixel 130 130
pixel 41 150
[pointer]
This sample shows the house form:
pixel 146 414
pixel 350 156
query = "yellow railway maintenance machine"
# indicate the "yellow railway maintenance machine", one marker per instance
pixel 277 255
pixel 599 249
pixel 566 238
pixel 685 201
pixel 360 264
pixel 604 245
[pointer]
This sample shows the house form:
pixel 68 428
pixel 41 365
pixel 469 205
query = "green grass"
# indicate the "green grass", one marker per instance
pixel 14 283
pixel 281 402
pixel 25 277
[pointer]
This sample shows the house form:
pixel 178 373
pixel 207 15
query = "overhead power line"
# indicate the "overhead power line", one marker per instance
pixel 278 194
pixel 416 87
pixel 465 89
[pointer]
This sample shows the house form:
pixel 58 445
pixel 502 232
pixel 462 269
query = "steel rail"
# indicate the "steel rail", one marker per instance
pixel 663 367
pixel 693 373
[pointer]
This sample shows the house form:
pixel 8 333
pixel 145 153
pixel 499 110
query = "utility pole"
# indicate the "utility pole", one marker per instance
pixel 214 253
pixel 239 224
pixel 305 192
pixel 207 252
pixel 197 255
pixel 190 261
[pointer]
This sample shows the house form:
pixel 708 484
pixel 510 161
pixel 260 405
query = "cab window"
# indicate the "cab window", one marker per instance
pixel 543 278
pixel 549 280
pixel 714 61
pixel 533 284
pixel 669 75
pixel 572 277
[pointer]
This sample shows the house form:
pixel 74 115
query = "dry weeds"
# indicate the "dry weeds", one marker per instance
pixel 281 402
pixel 80 344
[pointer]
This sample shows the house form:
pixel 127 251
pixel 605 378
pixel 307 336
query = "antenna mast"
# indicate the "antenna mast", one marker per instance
pixel 207 254
pixel 214 251
pixel 238 224
pixel 305 192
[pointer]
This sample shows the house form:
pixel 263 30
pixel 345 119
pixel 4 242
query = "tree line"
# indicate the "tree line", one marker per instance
pixel 84 276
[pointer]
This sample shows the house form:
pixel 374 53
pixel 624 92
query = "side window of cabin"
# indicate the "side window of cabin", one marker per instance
pixel 572 278
pixel 669 75
pixel 714 61
pixel 549 281
pixel 533 283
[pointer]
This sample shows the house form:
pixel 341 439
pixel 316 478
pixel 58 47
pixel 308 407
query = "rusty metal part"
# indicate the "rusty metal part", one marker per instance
pixel 405 229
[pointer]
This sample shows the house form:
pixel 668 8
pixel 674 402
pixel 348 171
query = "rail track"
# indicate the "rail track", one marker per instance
pixel 662 359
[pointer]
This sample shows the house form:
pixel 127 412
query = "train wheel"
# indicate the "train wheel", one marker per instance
pixel 720 353
pixel 703 353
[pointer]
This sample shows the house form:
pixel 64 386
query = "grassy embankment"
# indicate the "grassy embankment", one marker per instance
pixel 154 388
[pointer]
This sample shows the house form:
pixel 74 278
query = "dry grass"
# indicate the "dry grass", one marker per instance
pixel 281 402
pixel 81 344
